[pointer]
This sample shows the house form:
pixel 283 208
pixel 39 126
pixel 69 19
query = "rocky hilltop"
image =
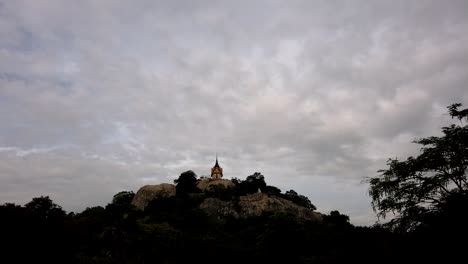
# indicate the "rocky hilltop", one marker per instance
pixel 208 184
pixel 148 193
pixel 244 206
pixel 255 205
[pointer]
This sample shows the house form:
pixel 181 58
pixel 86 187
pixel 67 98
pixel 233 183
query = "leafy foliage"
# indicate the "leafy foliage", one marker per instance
pixel 419 187
pixel 42 208
pixel 272 190
pixel 252 184
pixel 123 198
pixel 337 219
pixel 186 183
pixel 299 199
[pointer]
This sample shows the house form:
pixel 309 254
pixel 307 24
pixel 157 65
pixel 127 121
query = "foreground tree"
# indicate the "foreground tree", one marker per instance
pixel 420 188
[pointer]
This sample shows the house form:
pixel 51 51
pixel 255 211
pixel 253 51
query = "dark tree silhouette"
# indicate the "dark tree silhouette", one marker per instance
pixel 420 187
pixel 454 112
pixel 272 190
pixel 186 183
pixel 123 198
pixel 44 209
pixel 253 184
pixel 337 219
pixel 299 199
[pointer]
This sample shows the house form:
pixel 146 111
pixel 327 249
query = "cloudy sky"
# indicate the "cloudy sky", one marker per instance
pixel 102 96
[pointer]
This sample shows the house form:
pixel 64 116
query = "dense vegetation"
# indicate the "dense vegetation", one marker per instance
pixel 427 193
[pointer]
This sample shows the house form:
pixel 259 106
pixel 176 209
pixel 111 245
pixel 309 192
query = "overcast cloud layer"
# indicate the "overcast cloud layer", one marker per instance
pixel 102 96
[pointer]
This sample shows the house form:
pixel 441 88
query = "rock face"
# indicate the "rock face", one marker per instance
pixel 246 206
pixel 214 206
pixel 149 192
pixel 255 205
pixel 258 203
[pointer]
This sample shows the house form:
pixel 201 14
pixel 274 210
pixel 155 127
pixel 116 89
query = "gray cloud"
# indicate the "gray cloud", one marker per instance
pixel 97 97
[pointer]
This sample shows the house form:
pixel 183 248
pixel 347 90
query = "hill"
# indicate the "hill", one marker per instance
pixel 222 198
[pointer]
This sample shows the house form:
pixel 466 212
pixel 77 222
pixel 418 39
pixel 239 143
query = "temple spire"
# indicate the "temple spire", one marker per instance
pixel 216 171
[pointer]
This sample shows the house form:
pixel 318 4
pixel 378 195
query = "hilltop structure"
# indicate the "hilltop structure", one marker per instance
pixel 216 171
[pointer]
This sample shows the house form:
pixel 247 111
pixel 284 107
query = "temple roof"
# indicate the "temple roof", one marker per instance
pixel 216 164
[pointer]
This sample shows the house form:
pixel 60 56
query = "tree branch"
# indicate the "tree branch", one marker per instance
pixel 464 181
pixel 456 182
pixel 449 175
pixel 443 188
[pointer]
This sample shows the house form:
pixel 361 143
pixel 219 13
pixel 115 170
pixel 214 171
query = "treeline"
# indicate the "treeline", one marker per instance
pixel 171 231
pixel 174 230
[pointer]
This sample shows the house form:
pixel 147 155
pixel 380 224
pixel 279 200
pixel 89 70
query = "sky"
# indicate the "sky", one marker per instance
pixel 97 97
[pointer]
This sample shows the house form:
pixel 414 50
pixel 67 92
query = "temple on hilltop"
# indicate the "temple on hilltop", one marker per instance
pixel 216 171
